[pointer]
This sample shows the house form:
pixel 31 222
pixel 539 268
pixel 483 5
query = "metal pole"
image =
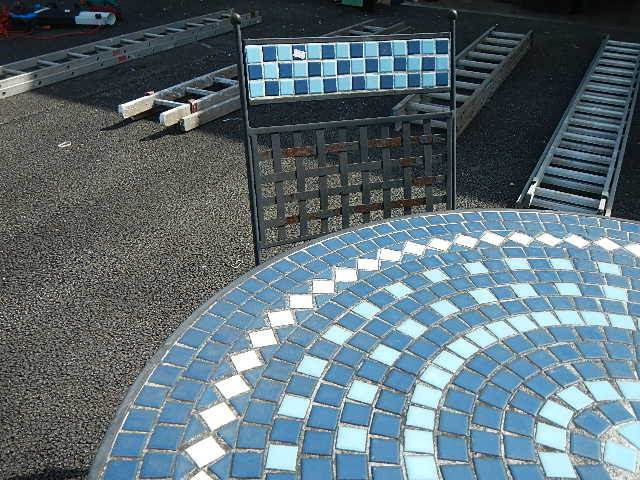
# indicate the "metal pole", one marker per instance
pixel 236 20
pixel 451 177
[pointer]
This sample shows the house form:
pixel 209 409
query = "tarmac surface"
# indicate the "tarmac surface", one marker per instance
pixel 108 244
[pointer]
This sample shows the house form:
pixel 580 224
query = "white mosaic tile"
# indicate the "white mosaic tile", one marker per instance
pixel 368 264
pixel 607 244
pixel 521 238
pixel 218 415
pixel 493 238
pixel 389 255
pixel 204 452
pixel 439 244
pixel 466 241
pixel 262 338
pixel 346 275
pixel 246 360
pixel 548 239
pixel 633 248
pixel 413 248
pixel 232 386
pixel 281 318
pixel 304 300
pixel 577 241
pixel 323 286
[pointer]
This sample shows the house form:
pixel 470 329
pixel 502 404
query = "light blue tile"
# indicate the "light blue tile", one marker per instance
pixel 286 87
pixel 594 318
pixel 370 49
pixel 442 62
pixel 561 264
pixel 314 51
pixel 630 389
pixel 570 289
pixel 436 275
pixel 399 47
pixel 256 88
pixel 414 63
pixel 556 413
pixel 329 68
pixel 420 467
pixel 284 52
pixel 436 377
pixel 366 309
pixel 385 354
pixel 421 417
pixel 282 457
pixel 448 361
pixel 622 321
pixel 481 337
pixel 315 85
pixel 412 328
pixel 575 397
pixel 399 290
pixel 400 80
pixel 551 436
pixel 386 64
pixel 463 348
pixel 569 317
pixel 631 431
pixel 602 390
pixel 362 392
pixel 428 46
pixel 501 330
pixel 342 50
pixel 615 293
pixel 357 65
pixel 522 323
pixel 517 263
pixel 428 80
pixel 418 441
pixel 545 319
pixel 620 456
pixel 524 290
pixel 610 268
pixel 253 54
pixel 372 82
pixel 292 406
pixel 300 69
pixel 351 438
pixel 557 465
pixel 344 83
pixel 444 307
pixel 270 70
pixel 475 268
pixel 426 396
pixel 337 334
pixel 483 295
pixel 312 366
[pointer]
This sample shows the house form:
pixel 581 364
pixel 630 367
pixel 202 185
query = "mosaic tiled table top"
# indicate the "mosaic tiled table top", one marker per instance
pixel 474 345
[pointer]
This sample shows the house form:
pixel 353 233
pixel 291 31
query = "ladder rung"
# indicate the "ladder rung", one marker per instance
pixel 614 71
pixel 130 41
pixel 572 185
pixel 634 46
pixel 501 42
pixel 590 157
pixel 587 148
pixel 612 79
pixel 568 198
pixel 626 51
pixel 467 85
pixel 595 125
pixel 167 103
pixel 578 165
pixel 590 132
pixel 474 64
pixel 575 175
pixel 494 48
pixel 605 99
pixel 12 71
pixel 589 139
pixel 542 203
pixel 175 30
pixel 445 96
pixel 48 63
pixel 618 63
pixel 516 36
pixel 77 55
pixel 471 74
pixel 604 88
pixel 426 107
pixel 486 56
pixel 605 112
pixel 198 91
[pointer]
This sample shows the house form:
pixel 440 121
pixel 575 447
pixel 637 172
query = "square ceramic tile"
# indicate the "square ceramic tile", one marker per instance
pixel 548 239
pixel 466 241
pixel 607 244
pixel 521 238
pixel 301 301
pixel 346 275
pixel 577 241
pixel 620 456
pixel 557 465
pixel 362 392
pixel 368 264
pixel 337 334
pixel 413 248
pixel 262 338
pixel 205 451
pixel 389 255
pixel 312 366
pixel 492 238
pixel 246 360
pixel 323 286
pixel 282 457
pixel 232 386
pixel 281 318
pixel 218 415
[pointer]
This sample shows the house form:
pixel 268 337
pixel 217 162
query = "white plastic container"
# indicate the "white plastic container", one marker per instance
pixel 95 18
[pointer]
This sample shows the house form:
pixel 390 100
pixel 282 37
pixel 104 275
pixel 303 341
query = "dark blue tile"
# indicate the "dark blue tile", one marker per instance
pixel 452 448
pixel 485 442
pixel 317 443
pixel 351 467
pixel 384 451
pixel 385 425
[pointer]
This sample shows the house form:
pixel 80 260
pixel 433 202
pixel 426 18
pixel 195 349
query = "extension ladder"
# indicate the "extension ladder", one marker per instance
pixel 580 167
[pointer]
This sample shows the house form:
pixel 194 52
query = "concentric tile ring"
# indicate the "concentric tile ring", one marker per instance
pixel 474 345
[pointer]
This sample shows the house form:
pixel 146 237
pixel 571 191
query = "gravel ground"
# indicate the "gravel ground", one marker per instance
pixel 107 245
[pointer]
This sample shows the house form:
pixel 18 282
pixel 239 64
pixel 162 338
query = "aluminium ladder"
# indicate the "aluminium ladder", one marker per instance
pixel 480 69
pixel 36 72
pixel 214 95
pixel 580 166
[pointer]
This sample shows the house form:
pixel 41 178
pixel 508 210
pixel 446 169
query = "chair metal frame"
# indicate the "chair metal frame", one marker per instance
pixel 320 148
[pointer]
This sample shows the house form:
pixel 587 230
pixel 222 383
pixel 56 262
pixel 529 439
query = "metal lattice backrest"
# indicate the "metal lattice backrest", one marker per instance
pixel 308 180
pixel 325 177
